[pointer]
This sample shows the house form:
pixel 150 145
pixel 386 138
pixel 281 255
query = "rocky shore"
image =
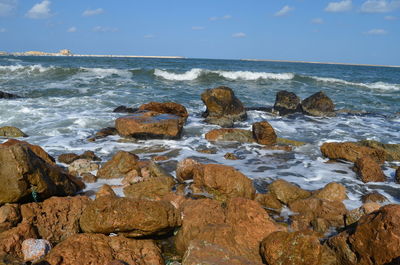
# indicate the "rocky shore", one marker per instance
pixel 202 213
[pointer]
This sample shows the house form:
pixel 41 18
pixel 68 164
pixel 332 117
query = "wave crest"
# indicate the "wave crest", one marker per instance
pixel 375 85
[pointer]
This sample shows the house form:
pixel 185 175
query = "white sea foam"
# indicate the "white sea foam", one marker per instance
pixel 106 72
pixel 24 68
pixel 375 85
pixel 187 76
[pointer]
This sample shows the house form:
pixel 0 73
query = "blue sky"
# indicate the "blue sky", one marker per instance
pixel 363 31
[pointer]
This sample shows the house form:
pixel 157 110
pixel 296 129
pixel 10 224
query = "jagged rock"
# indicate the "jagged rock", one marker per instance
pixel 318 104
pixel 368 170
pixel 185 169
pixel 263 133
pixel 35 148
pixel 10 216
pixel 119 166
pixel 287 103
pixel 351 152
pixel 332 192
pixel 287 192
pixel 150 189
pixel 392 151
pixel 355 215
pixel 10 131
pixel 233 135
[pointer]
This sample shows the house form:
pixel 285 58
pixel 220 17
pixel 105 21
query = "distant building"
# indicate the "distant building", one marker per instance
pixel 65 52
pixel 35 53
pixel 3 53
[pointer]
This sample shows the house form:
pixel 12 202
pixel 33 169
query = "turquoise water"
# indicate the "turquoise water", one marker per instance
pixel 67 99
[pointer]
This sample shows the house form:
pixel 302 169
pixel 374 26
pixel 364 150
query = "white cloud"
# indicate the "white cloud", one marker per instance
pixel 7 7
pixel 317 21
pixel 92 12
pixel 226 17
pixel 284 11
pixel 2 30
pixel 391 18
pixel 376 32
pixel 239 35
pixel 149 36
pixel 40 10
pixel 341 6
pixel 104 29
pixel 72 29
pixel 379 6
pixel 198 28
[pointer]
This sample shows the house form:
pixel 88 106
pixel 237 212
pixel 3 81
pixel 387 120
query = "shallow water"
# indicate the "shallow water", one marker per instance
pixel 68 99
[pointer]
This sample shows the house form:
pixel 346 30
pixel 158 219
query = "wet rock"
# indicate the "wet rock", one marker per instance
pixel 392 151
pixel 159 158
pixel 119 166
pixel 23 173
pixel 291 248
pixel 35 148
pixel 150 189
pixel 234 135
pixel 223 107
pixel 11 240
pixel 166 108
pixel 89 178
pixel 318 104
pixel 283 141
pixel 104 191
pixel 269 201
pixel 287 192
pixel 35 249
pixel 332 192
pixel 68 158
pixel 56 218
pixel 86 249
pixel 10 216
pixel 355 215
pixel 230 156
pixel 150 125
pixel 287 103
pixel 124 109
pixel 368 170
pixel 223 182
pixel 129 217
pixel 89 155
pixel 103 133
pixel 375 239
pixel 373 197
pixel 263 133
pixel 7 95
pixel 351 152
pixel 82 166
pixel 10 131
pixel 397 175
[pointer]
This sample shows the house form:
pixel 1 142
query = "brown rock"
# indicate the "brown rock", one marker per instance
pixel 373 197
pixel 223 107
pixel 159 158
pixel 35 249
pixel 67 158
pixel 230 156
pixel 87 249
pixel 89 177
pixel 332 192
pixel 223 182
pixel 263 133
pixel 295 248
pixel 268 201
pixel 287 103
pixel 132 218
pixel 166 108
pixel 368 170
pixel 150 189
pixel 232 135
pixel 82 166
pixel 185 169
pixel 351 152
pixel 11 240
pixel 124 109
pixel 355 215
pixel 397 175
pixel 35 148
pixel 119 166
pixel 318 104
pixel 150 125
pixel 10 131
pixel 90 155
pixel 103 133
pixel 56 218
pixel 392 151
pixel 287 192
pixel 10 216
pixel 105 190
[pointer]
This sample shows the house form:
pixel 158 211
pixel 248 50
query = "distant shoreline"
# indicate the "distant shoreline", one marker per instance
pixel 332 63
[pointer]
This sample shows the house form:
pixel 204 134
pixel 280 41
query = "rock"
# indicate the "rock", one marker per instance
pixel 332 192
pixel 67 158
pixel 263 133
pixel 56 218
pixel 124 109
pixel 283 141
pixel 82 166
pixel 223 182
pixel 291 248
pixel 287 103
pixel 9 131
pixel 233 135
pixel 86 249
pixel 35 148
pixel 150 125
pixel 103 133
pixel 287 192
pixel 355 215
pixel 230 156
pixel 10 216
pixel 223 107
pixel 318 105
pixel 150 189
pixel 392 151
pixel 23 175
pixel 351 152
pixel 373 197
pixel 129 217
pixel 268 201
pixel 105 190
pixel 166 108
pixel 375 239
pixel 121 164
pixel 11 240
pixel 89 178
pixel 159 158
pixel 89 155
pixel 368 170
pixel 35 249
pixel 397 175
pixel 7 95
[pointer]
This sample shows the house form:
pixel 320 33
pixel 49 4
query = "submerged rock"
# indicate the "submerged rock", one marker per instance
pixel 103 133
pixel 8 95
pixel 227 135
pixel 351 152
pixel 287 103
pixel 124 109
pixel 223 107
pixel 318 104
pixel 263 133
pixel 10 131
pixel 368 170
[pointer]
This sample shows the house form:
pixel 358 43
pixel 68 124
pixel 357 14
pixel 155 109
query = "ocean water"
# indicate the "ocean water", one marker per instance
pixel 67 99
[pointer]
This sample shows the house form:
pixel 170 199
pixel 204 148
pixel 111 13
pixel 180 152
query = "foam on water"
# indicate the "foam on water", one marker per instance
pixel 375 85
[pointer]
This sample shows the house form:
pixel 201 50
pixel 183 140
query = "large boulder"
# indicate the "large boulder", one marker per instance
pixel 121 164
pixel 263 133
pixel 318 104
pixel 150 125
pixel 332 192
pixel 368 170
pixel 230 135
pixel 23 175
pixel 166 108
pixel 223 107
pixel 56 218
pixel 7 95
pixel 287 192
pixel 287 103
pixel 392 151
pixel 10 131
pixel 129 217
pixel 150 189
pixel 351 152
pixel 373 240
pixel 11 240
pixel 35 148
pixel 87 249
pixel 10 216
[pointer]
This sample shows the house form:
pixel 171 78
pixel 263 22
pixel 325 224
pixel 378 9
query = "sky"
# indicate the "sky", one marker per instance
pixel 349 31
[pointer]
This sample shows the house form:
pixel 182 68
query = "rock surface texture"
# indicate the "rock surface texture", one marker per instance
pixel 318 104
pixel 287 103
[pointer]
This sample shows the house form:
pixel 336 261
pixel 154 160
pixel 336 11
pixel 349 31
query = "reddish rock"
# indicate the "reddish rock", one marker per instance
pixel 392 151
pixel 149 125
pixel 355 215
pixel 287 192
pixel 56 218
pixel 11 240
pixel 332 192
pixel 150 189
pixel 35 249
pixel 291 248
pixel 87 249
pixel 351 152
pixel 263 133
pixel 318 104
pixel 268 201
pixel 89 178
pixel 223 182
pixel 35 148
pixel 159 158
pixel 373 197
pixel 67 158
pixel 166 108
pixel 368 170
pixel 121 164
pixel 185 169
pixel 129 217
pixel 287 103
pixel 10 216
pixel 230 135
pixel 105 190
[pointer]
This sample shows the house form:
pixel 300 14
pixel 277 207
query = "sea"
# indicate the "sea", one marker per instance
pixel 65 100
